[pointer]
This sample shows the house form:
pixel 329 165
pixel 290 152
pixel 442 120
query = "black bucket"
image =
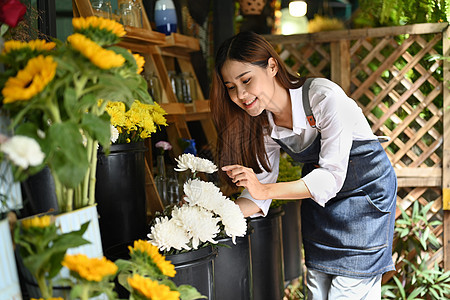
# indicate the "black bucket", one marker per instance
pixel 39 193
pixel 114 253
pixel 233 270
pixel 195 268
pixel 120 194
pixel 292 241
pixel 267 256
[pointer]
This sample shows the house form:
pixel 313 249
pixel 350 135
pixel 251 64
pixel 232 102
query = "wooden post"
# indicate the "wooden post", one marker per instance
pixel 340 64
pixel 446 150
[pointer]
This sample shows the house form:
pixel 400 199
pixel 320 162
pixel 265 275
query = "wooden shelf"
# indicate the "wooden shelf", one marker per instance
pixel 179 43
pixel 144 36
pixel 198 106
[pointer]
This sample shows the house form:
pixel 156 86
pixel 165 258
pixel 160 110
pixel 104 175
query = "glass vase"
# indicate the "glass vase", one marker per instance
pixel 161 179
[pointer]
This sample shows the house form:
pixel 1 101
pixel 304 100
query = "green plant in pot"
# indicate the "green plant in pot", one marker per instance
pixel 51 91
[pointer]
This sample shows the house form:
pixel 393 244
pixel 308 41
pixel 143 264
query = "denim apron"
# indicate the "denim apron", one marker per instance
pixel 352 235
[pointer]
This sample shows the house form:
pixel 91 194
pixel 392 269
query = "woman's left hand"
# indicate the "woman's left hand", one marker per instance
pixel 245 177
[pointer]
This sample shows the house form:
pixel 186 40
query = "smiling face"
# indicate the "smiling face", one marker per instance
pixel 249 86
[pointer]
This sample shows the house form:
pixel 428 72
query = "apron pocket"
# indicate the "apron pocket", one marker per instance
pixel 353 222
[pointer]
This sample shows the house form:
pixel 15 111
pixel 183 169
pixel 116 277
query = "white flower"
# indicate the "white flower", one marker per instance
pixel 166 234
pixel 23 151
pixel 232 218
pixel 114 134
pixel 202 193
pixel 195 164
pixel 200 223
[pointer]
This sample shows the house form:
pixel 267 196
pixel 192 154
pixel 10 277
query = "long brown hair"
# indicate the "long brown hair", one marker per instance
pixel 241 136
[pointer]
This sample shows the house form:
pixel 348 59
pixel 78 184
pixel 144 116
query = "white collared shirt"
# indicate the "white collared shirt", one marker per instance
pixel 339 120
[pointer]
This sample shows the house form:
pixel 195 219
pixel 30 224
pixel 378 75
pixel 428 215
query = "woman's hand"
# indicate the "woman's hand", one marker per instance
pixel 245 177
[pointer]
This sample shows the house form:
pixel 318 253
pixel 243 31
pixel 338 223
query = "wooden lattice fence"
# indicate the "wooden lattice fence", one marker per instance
pixel 390 73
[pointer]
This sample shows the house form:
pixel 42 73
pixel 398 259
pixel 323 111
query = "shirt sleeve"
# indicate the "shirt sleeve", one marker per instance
pixel 273 154
pixel 335 116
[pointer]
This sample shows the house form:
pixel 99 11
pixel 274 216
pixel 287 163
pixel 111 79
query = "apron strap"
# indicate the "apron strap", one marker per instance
pixel 306 104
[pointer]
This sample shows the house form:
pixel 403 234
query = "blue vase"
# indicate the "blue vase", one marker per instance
pixel 165 16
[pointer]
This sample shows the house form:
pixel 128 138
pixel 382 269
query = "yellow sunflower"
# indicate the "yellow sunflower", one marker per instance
pixel 152 289
pixel 91 269
pixel 151 251
pixel 35 45
pixel 40 222
pixel 30 81
pixel 102 58
pixel 100 23
pixel 140 61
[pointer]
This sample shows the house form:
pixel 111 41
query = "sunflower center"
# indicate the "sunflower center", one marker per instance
pixel 28 84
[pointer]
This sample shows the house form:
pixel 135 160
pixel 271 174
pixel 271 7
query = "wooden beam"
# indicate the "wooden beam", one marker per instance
pixel 340 64
pixel 446 151
pixel 419 177
pixel 354 34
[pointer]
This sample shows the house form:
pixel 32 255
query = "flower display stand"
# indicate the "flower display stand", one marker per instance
pixel 292 242
pixel 9 280
pixel 196 268
pixel 233 270
pixel 120 194
pixel 267 255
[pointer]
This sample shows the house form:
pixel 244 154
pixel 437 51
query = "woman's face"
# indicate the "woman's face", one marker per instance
pixel 249 86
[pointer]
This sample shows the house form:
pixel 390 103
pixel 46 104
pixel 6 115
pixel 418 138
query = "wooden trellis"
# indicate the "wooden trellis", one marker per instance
pixel 404 94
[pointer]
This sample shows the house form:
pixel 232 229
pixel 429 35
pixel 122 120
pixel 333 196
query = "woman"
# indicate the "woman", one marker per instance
pixel 348 184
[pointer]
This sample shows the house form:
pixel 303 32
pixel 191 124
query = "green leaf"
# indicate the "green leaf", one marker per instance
pixel 188 292
pixel 400 287
pixel 70 101
pixel 414 293
pixel 97 127
pixel 69 160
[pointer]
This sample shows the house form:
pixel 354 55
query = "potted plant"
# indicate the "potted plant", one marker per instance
pixel 120 186
pixel 52 92
pixel 185 233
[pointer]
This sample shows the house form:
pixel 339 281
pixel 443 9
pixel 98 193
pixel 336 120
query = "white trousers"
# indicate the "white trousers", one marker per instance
pixel 323 286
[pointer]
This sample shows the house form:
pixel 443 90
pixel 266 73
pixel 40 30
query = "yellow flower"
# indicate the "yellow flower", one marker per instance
pixel 102 58
pixel 151 289
pixel 91 269
pixel 100 23
pixel 35 45
pixel 30 81
pixel 116 110
pixel 323 23
pixel 140 61
pixel 163 265
pixel 40 222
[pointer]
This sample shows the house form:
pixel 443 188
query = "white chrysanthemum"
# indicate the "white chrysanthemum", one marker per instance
pixel 202 193
pixel 200 223
pixel 23 151
pixel 166 234
pixel 114 134
pixel 232 218
pixel 195 164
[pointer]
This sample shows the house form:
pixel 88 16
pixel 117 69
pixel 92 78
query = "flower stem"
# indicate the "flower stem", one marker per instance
pixel 45 292
pixel 85 293
pixel 86 187
pixel 93 172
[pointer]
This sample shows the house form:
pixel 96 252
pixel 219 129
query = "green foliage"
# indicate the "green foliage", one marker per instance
pixel 376 13
pixel 289 170
pixel 42 250
pixel 413 241
pixel 142 262
pixel 415 231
